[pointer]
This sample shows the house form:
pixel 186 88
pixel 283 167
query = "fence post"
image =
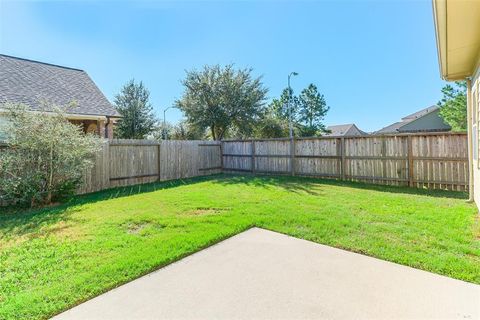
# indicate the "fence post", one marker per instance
pixel 384 155
pixel 252 145
pixel 221 155
pixel 292 156
pixel 106 165
pixel 342 155
pixel 410 160
pixel 159 162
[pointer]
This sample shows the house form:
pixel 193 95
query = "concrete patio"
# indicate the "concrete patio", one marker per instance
pixel 260 274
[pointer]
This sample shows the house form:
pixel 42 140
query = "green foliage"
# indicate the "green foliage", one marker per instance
pixel 279 107
pixel 181 131
pixel 185 131
pixel 45 158
pixel 307 111
pixel 271 126
pixel 162 131
pixel 222 99
pixel 312 110
pixel 453 106
pixel 54 258
pixel 133 104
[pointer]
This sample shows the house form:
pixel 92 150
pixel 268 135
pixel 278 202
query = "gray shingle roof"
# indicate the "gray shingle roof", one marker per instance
pixel 345 130
pixel 421 113
pixel 395 127
pixel 35 83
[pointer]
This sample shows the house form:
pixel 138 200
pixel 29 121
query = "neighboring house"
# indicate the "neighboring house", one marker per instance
pixel 457 26
pixel 345 130
pixel 36 84
pixel 425 120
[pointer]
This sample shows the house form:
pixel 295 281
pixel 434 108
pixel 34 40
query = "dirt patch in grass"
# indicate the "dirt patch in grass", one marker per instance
pixel 136 227
pixel 60 230
pixel 202 211
pixel 63 230
pixel 141 227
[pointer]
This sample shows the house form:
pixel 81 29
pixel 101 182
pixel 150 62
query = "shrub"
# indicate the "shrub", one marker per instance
pixel 45 158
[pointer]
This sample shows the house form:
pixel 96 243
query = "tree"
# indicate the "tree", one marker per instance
pixel 271 126
pixel 221 99
pixel 312 109
pixel 162 131
pixel 45 158
pixel 133 104
pixel 307 111
pixel 185 131
pixel 279 107
pixel 453 106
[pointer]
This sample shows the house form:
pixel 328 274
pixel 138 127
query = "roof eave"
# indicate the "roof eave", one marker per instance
pixel 456 31
pixel 440 8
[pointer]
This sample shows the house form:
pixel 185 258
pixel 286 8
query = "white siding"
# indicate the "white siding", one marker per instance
pixel 475 135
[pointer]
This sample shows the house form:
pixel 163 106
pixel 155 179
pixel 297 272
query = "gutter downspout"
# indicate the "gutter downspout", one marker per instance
pixel 470 142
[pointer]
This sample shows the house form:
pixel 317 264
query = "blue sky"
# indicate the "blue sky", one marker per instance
pixel 375 61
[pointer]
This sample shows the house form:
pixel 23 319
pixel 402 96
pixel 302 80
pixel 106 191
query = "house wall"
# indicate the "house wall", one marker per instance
pixel 93 126
pixel 99 127
pixel 429 122
pixel 475 124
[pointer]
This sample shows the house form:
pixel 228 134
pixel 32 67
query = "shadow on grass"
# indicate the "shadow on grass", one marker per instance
pixel 308 184
pixel 15 221
pixel 21 221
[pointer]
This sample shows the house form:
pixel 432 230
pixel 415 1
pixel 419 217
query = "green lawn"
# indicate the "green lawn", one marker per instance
pixel 55 258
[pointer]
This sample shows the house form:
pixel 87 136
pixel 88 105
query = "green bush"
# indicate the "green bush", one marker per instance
pixel 45 158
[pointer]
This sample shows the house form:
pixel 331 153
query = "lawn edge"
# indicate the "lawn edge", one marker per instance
pixel 156 268
pixel 362 253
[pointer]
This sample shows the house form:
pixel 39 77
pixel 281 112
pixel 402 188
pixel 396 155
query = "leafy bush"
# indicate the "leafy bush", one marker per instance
pixel 45 158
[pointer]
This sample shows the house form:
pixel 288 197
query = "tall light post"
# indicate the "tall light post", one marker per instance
pixel 164 129
pixel 290 125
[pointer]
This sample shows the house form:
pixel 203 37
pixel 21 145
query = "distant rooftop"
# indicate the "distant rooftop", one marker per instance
pixel 36 83
pixel 421 113
pixel 405 125
pixel 345 130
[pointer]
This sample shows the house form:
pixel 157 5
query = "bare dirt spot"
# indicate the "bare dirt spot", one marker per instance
pixel 136 227
pixel 60 230
pixel 202 211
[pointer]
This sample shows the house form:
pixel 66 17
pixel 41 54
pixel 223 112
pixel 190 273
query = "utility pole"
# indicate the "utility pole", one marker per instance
pixel 164 129
pixel 290 124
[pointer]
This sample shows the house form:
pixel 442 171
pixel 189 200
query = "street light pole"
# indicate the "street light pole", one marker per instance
pixel 290 125
pixel 164 129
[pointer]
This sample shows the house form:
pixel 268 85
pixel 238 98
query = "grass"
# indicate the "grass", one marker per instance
pixel 54 258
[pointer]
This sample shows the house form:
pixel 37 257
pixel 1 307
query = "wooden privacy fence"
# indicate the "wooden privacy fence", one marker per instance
pixel 130 162
pixel 431 160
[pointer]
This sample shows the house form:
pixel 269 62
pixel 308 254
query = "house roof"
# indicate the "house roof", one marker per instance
pixel 420 113
pixel 345 130
pixel 457 26
pixel 35 83
pixel 395 127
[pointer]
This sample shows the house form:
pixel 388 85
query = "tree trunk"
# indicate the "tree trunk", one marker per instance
pixel 212 128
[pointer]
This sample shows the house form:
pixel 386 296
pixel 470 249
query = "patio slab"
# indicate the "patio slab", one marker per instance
pixel 260 274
